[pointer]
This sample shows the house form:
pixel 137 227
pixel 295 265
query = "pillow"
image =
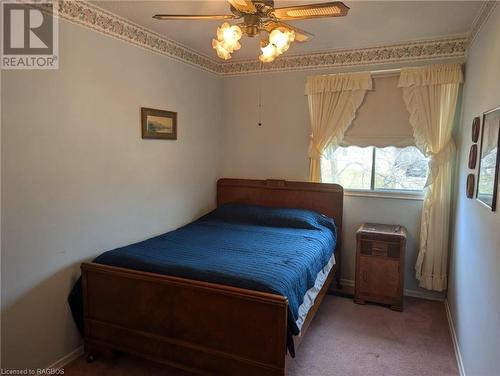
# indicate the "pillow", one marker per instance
pixel 274 217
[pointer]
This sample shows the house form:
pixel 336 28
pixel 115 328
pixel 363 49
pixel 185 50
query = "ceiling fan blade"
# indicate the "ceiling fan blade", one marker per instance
pixel 300 35
pixel 244 6
pixel 194 16
pixel 301 12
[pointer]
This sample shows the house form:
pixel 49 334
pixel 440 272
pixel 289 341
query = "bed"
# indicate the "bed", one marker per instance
pixel 222 301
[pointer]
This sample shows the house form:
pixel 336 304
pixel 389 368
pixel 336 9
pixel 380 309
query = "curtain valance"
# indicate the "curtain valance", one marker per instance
pixel 437 74
pixel 338 82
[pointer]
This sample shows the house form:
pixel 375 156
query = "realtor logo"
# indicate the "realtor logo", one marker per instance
pixel 29 35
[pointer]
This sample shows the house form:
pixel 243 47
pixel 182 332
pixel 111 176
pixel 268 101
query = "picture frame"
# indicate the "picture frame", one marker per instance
pixel 469 189
pixel 158 124
pixel 489 159
pixel 476 127
pixel 473 157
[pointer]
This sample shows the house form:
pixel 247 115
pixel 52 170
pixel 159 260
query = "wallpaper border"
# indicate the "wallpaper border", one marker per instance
pixel 102 21
pixel 486 10
pixel 400 52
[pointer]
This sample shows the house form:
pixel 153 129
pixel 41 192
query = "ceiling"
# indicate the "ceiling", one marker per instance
pixel 368 24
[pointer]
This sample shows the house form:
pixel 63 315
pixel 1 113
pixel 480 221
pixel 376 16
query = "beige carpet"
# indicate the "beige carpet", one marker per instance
pixel 343 339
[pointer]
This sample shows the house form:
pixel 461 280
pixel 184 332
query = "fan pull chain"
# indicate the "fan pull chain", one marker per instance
pixel 260 105
pixel 260 97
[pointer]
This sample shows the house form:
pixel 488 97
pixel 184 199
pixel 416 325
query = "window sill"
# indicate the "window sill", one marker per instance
pixel 395 195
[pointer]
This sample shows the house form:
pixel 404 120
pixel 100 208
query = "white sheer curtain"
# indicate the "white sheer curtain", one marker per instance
pixel 430 94
pixel 333 101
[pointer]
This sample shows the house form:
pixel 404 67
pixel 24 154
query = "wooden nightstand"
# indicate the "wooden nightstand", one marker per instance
pixel 380 260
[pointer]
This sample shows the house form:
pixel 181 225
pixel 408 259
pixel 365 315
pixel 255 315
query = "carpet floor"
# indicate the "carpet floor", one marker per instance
pixel 344 339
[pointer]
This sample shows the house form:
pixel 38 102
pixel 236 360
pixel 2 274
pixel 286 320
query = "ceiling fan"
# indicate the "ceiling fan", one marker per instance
pixel 260 18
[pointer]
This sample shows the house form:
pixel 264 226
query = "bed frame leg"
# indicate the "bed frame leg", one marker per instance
pixel 338 277
pixel 92 353
pixel 338 265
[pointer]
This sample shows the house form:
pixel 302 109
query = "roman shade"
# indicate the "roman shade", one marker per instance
pixel 382 119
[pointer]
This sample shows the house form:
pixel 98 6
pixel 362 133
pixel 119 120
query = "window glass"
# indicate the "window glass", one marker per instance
pixel 351 167
pixel 391 168
pixel 400 168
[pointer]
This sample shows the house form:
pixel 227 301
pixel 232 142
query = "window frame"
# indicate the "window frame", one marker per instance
pixel 402 194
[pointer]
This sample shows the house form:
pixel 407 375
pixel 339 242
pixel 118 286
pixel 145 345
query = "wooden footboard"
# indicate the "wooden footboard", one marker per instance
pixel 198 326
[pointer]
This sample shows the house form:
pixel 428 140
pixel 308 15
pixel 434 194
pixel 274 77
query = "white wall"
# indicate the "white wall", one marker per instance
pixel 77 179
pixel 474 282
pixel 279 149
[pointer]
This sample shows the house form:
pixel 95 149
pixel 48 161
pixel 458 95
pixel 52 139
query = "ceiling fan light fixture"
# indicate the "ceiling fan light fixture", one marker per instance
pixel 269 53
pixel 221 51
pixel 261 17
pixel 229 36
pixel 281 38
pixel 227 41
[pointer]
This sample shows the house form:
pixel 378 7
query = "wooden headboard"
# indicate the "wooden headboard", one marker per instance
pixel 323 198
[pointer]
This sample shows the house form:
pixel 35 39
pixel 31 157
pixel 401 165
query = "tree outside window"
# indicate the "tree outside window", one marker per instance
pixel 372 168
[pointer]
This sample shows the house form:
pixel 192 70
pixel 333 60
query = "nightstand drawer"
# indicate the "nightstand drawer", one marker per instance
pixel 371 247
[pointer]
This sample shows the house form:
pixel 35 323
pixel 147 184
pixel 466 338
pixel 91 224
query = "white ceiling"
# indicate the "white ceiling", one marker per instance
pixel 369 23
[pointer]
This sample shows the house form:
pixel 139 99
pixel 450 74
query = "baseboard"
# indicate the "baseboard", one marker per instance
pixel 347 282
pixel 454 339
pixel 424 295
pixel 68 358
pixel 407 292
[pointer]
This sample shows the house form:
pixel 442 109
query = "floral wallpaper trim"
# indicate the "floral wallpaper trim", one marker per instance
pixel 414 51
pixel 95 18
pixel 100 20
pixel 486 10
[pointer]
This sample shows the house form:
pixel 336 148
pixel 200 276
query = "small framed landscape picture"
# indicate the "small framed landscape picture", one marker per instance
pixel 158 124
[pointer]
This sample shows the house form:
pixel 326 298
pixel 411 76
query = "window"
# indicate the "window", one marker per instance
pixel 372 168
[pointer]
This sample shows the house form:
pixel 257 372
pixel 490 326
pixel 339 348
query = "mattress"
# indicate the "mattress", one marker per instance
pixel 282 251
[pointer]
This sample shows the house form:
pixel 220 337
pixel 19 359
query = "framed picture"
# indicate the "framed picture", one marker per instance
pixel 489 159
pixel 158 124
pixel 475 129
pixel 473 157
pixel 469 189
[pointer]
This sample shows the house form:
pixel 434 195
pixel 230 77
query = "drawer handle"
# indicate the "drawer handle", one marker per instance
pixel 365 276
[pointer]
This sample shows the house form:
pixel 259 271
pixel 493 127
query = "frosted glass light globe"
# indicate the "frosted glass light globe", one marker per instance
pixel 221 51
pixel 281 38
pixel 229 36
pixel 269 53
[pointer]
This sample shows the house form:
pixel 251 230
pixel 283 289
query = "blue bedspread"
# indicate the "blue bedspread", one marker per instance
pixel 272 250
